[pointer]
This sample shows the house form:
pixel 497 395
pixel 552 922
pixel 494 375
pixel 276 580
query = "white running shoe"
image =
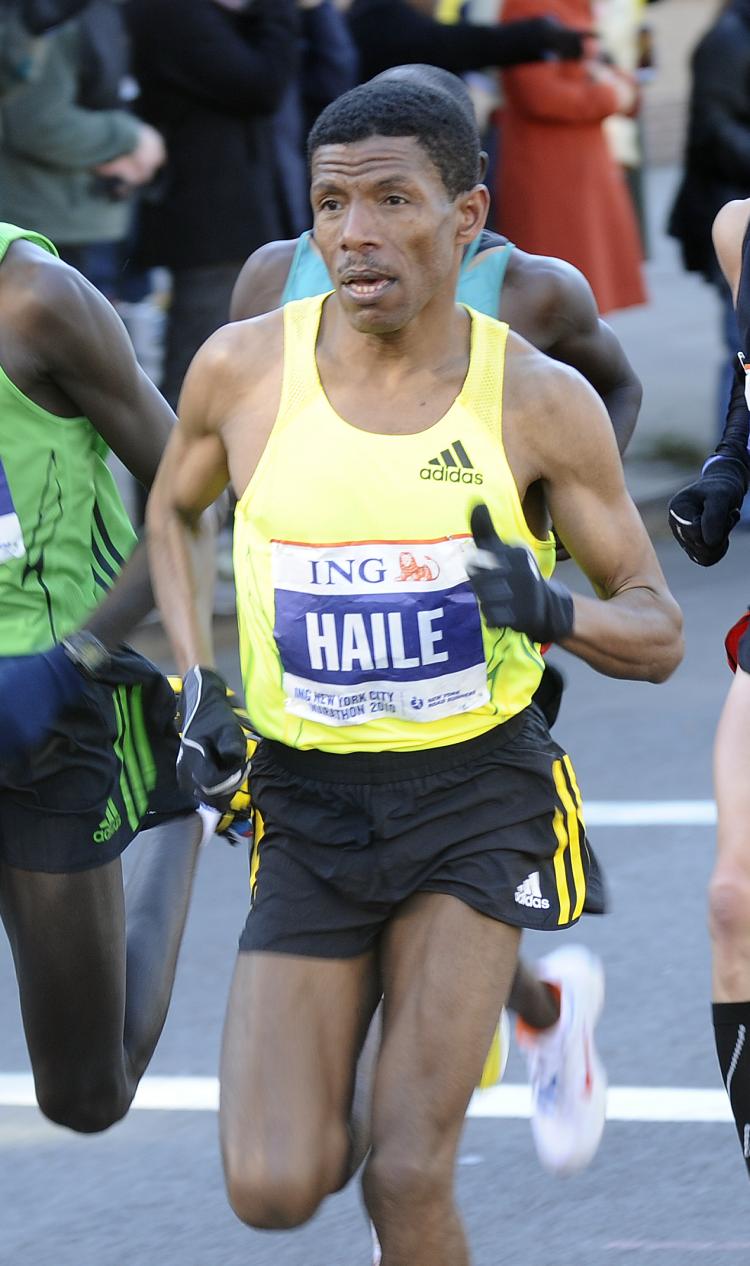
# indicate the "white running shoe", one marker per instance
pixel 568 1081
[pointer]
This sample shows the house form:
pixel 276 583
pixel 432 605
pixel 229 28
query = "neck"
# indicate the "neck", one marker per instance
pixel 432 338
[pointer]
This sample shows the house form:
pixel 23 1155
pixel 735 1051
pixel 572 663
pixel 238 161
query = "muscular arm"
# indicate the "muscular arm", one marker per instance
pixel 559 434
pixel 573 332
pixel 222 390
pixel 81 347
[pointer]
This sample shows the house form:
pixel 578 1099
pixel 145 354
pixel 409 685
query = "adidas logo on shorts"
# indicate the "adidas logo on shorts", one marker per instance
pixel 529 893
pixel 109 825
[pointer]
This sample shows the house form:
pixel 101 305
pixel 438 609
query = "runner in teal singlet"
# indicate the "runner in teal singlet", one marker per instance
pixel 93 999
pixel 545 300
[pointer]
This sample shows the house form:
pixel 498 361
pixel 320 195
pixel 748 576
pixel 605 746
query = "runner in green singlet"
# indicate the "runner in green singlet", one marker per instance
pixel 93 996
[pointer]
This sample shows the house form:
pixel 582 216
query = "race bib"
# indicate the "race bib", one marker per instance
pixel 373 629
pixel 11 536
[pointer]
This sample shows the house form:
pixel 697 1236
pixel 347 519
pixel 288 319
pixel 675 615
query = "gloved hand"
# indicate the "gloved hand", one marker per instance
pixel 34 690
pixel 511 590
pixel 702 515
pixel 564 41
pixel 213 759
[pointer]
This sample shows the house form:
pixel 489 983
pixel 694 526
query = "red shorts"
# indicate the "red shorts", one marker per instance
pixel 737 644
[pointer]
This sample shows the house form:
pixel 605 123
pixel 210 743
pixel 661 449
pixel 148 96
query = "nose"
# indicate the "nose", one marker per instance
pixel 359 230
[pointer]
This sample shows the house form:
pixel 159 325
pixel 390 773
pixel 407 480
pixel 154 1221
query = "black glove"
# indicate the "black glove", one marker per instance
pixel 511 590
pixel 212 760
pixel 564 41
pixel 702 515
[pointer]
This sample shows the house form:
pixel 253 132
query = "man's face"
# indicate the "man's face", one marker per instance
pixel 386 228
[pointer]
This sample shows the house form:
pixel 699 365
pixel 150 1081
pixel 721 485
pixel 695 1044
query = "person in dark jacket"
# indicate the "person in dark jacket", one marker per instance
pixel 717 158
pixel 213 73
pixel 391 32
pixel 328 68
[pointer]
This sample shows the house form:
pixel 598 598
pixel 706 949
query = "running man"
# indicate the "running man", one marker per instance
pixel 702 517
pixel 95 966
pixel 410 795
pixel 546 301
pixel 551 304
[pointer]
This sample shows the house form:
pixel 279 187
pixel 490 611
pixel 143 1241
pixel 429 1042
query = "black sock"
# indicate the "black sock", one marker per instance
pixel 732 1033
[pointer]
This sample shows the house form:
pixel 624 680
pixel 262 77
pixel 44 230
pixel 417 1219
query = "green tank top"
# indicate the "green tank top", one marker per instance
pixel 64 532
pixel 480 281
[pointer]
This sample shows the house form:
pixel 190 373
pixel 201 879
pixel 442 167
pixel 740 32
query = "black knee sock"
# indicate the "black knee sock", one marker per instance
pixel 732 1033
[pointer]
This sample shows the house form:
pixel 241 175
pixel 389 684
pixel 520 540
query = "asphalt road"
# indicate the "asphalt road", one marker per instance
pixel 667 1193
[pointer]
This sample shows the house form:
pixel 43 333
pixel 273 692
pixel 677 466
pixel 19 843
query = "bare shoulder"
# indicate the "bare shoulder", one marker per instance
pixel 552 417
pixel 45 295
pixel 728 233
pixel 547 298
pixel 238 366
pixel 260 285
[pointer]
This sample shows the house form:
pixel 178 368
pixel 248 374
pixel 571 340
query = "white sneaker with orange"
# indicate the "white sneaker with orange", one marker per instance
pixel 568 1082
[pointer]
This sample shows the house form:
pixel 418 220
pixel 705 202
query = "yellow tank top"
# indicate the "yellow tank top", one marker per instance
pixel 359 630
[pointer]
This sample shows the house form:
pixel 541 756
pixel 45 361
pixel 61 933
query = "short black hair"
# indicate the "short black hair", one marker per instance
pixel 434 77
pixel 394 107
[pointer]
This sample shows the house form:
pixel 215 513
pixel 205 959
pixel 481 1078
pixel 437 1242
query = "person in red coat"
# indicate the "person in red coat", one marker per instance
pixel 560 192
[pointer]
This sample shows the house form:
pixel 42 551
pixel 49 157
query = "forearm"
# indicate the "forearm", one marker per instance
pixel 177 555
pixel 128 602
pixel 636 634
pixel 623 403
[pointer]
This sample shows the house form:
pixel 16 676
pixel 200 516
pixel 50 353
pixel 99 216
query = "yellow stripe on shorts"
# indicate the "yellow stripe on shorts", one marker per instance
pixel 574 834
pixel 561 879
pixel 258 830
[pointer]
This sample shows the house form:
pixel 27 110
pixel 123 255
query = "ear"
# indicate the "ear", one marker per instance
pixel 472 210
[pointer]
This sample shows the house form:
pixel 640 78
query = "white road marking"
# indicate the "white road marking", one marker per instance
pixel 666 1104
pixel 649 812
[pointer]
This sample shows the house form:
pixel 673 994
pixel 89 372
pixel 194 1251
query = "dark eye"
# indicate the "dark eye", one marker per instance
pixel 395 200
pixel 329 204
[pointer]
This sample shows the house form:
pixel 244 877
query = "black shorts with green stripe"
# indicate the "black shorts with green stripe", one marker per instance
pixel 342 842
pixel 106 772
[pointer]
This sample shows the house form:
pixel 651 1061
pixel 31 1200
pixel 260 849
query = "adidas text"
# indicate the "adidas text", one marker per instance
pixel 443 474
pixel 108 827
pixel 530 894
pixel 452 466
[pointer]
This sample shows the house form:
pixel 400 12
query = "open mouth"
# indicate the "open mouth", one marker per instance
pixel 366 287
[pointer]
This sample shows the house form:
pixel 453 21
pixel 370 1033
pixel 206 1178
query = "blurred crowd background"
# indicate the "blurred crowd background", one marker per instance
pixel 160 142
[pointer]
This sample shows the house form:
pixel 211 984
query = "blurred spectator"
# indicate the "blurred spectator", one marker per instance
pixel 22 51
pixel 70 154
pixel 717 158
pixel 560 191
pixel 212 75
pixel 619 26
pixel 328 68
pixel 391 32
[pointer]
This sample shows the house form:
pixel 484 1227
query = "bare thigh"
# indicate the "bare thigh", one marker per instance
pixel 293 1032
pixel 67 935
pixel 729 896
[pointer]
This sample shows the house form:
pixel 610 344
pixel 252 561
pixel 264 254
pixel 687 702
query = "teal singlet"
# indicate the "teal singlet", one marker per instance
pixel 480 280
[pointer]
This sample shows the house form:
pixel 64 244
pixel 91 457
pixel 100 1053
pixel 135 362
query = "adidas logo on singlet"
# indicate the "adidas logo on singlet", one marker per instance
pixel 529 893
pixel 109 825
pixel 453 466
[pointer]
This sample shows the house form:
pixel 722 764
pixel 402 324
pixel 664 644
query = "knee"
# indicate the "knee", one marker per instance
pixel 729 905
pixel 401 1180
pixel 87 1105
pixel 277 1194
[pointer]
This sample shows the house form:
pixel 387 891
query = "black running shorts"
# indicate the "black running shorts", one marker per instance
pixel 106 772
pixel 343 840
